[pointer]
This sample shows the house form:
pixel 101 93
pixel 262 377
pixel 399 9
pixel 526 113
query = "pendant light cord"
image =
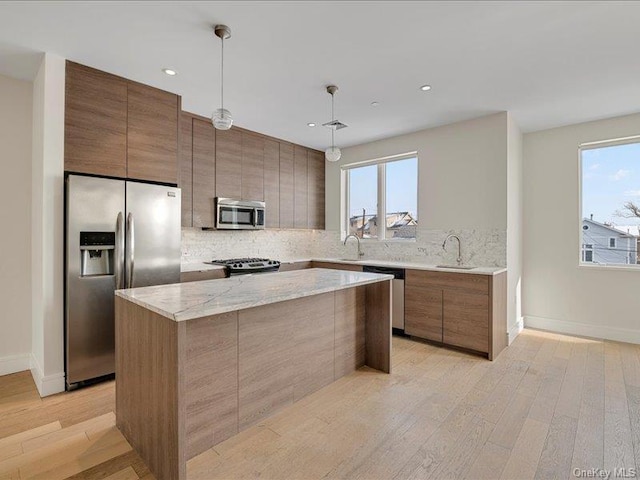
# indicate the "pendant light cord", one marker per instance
pixel 222 76
pixel 333 127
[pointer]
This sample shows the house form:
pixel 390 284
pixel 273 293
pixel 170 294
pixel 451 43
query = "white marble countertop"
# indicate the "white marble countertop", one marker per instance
pixel 201 266
pixel 187 301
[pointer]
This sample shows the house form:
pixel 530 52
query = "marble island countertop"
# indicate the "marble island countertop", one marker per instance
pixel 201 266
pixel 187 301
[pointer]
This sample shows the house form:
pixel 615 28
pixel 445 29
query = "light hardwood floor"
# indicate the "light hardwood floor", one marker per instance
pixel 549 403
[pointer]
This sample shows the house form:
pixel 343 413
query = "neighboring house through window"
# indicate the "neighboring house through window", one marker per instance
pixel 382 189
pixel 610 202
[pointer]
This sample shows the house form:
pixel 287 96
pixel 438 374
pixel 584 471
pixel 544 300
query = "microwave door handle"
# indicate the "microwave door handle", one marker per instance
pixel 255 217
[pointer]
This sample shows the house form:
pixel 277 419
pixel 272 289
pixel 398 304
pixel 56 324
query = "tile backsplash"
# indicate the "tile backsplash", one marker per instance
pixel 483 248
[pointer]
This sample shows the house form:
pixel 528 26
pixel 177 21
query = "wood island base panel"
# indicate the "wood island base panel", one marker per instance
pixel 184 386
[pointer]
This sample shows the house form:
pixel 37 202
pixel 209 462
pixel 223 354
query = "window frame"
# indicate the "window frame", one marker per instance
pixel 615 243
pixel 381 197
pixel 594 145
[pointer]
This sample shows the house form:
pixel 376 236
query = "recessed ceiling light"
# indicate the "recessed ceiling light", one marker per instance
pixel 375 104
pixel 169 72
pixel 425 88
pixel 311 124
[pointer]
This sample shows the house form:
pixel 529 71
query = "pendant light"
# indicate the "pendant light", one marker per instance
pixel 221 118
pixel 333 153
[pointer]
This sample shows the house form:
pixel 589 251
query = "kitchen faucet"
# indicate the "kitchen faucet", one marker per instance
pixel 444 247
pixel 360 252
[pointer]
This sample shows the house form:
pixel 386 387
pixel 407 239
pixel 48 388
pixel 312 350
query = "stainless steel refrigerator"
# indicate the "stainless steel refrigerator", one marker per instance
pixel 119 234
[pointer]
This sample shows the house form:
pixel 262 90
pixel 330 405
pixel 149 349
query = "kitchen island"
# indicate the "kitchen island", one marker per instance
pixel 198 362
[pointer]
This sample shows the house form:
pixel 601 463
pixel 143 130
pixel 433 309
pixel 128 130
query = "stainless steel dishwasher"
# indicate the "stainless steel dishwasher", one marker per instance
pixel 397 309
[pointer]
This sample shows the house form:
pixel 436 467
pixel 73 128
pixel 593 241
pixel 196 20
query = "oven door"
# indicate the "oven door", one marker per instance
pixel 235 217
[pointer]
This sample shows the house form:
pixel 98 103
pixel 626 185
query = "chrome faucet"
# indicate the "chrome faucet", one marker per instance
pixel 360 252
pixel 444 247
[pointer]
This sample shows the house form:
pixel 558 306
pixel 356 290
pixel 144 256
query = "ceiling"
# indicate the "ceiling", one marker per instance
pixel 549 63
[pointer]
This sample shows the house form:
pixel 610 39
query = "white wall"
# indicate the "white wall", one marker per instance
pixel 47 226
pixel 514 228
pixel 462 180
pixel 15 214
pixel 557 293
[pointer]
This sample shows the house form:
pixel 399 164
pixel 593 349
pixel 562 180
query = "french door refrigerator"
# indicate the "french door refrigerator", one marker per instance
pixel 118 234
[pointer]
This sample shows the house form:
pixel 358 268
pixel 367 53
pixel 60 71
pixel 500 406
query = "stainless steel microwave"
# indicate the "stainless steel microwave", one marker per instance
pixel 239 214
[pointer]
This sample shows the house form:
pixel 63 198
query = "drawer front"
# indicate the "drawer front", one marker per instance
pixel 423 312
pixel 337 266
pixel 466 320
pixel 289 267
pixel 447 280
pixel 202 275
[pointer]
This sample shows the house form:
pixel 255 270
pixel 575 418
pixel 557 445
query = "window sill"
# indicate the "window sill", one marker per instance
pixel 604 266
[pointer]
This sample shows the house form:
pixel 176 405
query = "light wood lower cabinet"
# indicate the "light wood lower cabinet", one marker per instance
pixel 198 275
pixel 337 266
pixel 458 309
pixel 423 309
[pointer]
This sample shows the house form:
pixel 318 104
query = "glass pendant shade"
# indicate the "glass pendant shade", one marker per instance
pixel 222 119
pixel 332 154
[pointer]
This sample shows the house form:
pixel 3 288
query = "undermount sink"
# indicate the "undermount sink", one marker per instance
pixel 457 267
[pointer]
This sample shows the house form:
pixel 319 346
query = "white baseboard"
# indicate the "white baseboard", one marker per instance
pixel 14 363
pixel 515 331
pixel 46 385
pixel 606 332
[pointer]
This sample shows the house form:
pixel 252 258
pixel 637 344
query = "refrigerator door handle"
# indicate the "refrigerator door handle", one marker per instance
pixel 119 260
pixel 131 249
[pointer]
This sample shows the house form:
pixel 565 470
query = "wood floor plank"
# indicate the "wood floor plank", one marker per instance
pixel 549 403
pixel 125 474
pixel 556 456
pixel 588 451
pixel 490 463
pixel 525 454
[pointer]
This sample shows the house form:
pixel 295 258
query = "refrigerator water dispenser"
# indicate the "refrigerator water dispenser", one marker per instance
pixel 97 251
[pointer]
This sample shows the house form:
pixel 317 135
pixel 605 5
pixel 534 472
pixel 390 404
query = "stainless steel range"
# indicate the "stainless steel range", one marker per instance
pixel 242 266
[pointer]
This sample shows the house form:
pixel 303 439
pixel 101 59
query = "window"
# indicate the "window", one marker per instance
pixel 385 189
pixel 587 253
pixel 610 201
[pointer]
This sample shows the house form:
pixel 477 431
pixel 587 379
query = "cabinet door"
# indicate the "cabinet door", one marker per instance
pixel 272 183
pixel 466 320
pixel 204 174
pixel 185 182
pixel 286 185
pixel 252 167
pixel 300 208
pixel 95 126
pixel 422 310
pixel 152 134
pixel 315 186
pixel 229 163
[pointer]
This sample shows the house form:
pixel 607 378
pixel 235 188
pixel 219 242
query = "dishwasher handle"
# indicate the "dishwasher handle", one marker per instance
pixel 398 273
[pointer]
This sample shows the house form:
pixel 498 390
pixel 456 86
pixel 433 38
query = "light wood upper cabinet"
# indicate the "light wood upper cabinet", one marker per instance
pixel 185 182
pixel 152 134
pixel 315 188
pixel 95 130
pixel 300 186
pixel 204 174
pixel 119 128
pixel 252 166
pixel 286 185
pixel 229 163
pixel 272 183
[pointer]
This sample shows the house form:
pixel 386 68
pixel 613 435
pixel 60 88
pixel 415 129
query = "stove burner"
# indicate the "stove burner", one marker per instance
pixel 241 266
